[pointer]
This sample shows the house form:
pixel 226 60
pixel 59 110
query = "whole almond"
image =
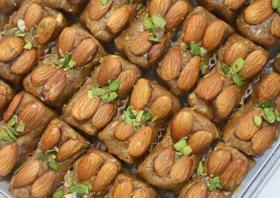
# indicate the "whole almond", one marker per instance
pixel 110 70
pixel 141 94
pixel 13 106
pixel 213 35
pixel 3 96
pixel 209 87
pixel 246 128
pixel 215 194
pixel 161 107
pixel 140 142
pixel 46 29
pixel 253 64
pixel 157 50
pixel 8 157
pixel 66 40
pixel 42 186
pixel 27 174
pixel 122 189
pixel 103 116
pixel 181 129
pixel 127 80
pixel 218 162
pixel 234 4
pixel 234 174
pixel 164 161
pixel 10 49
pixel 195 28
pixel 226 101
pixel 32 16
pixel 85 107
pixel 199 141
pixel 55 86
pixel 189 75
pixel 51 137
pixel 181 169
pixel 119 18
pixel 98 10
pixel 69 149
pixel 85 51
pixel 141 45
pixel 25 62
pixel 106 175
pixel 89 166
pixel 176 14
pixel 258 12
pixel 269 88
pixel 275 26
pixel 139 193
pixel 159 7
pixel 31 116
pixel 124 131
pixel 237 50
pixel 263 139
pixel 197 190
pixel 41 75
pixel 171 64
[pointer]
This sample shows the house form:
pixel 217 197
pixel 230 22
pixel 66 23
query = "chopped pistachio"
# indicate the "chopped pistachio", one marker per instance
pixel 27 46
pixel 113 86
pixel 237 79
pixel 199 170
pixel 10 134
pixel 154 39
pixel 127 120
pixel 158 21
pixel 194 49
pixel 184 46
pixel 69 179
pixel 12 121
pixel 53 165
pixel 187 150
pixel 43 25
pixel 265 104
pixel 4 136
pixel 18 169
pixel 49 151
pixel 20 34
pixel 237 65
pixel 225 68
pixel 275 3
pixel 221 72
pixel 257 120
pixel 41 156
pixel 58 194
pixel 104 1
pixel 213 184
pixel 269 115
pixel 147 115
pixel 78 190
pixel 180 145
pixel 203 67
pixel 20 127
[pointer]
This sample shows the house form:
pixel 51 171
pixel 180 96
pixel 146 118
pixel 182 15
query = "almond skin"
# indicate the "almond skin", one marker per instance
pixel 159 7
pixel 85 107
pixel 141 45
pixel 275 26
pixel 25 62
pixel 55 86
pixel 237 50
pixel 51 137
pixel 141 94
pixel 66 40
pixel 189 75
pixel 127 80
pixel 46 31
pixel 218 162
pixel 164 161
pixel 41 75
pixel 32 15
pixel 124 131
pixel 181 129
pixel 157 50
pixel 140 142
pixel 200 141
pixel 3 96
pixel 234 4
pixel 213 35
pixel 215 194
pixel 234 174
pixel 209 87
pixel 278 105
pixel 85 51
pixel 119 19
pixel 263 139
pixel 8 157
pixel 176 15
pixel 98 10
pixel 27 174
pixel 69 149
pixel 171 64
pixel 139 193
pixel 226 101
pixel 122 189
pixel 161 107
pixel 269 88
pixel 10 49
pixel 103 116
pixel 13 106
pixel 42 186
pixel 258 12
pixel 246 129
pixel 3 3
pixel 181 169
pixel 105 176
pixel 195 28
pixel 198 190
pixel 89 166
pixel 253 64
pixel 110 70
pixel 31 115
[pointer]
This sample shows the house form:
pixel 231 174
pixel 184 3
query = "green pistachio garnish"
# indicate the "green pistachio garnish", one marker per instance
pixel 225 68
pixel 213 184
pixel 27 46
pixel 153 24
pixel 12 121
pixel 58 194
pixel 20 34
pixel 104 1
pixel 194 49
pixel 237 65
pixel 184 47
pixel 18 169
pixel 43 25
pixel 10 133
pixel 20 127
pixel 131 116
pixel 53 165
pixel 200 170
pixel 41 156
pixel 237 79
pixel 203 67
pixel 106 93
pixel 257 120
pixel 265 104
pixel 4 136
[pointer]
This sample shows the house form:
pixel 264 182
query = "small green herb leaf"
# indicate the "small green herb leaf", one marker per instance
pixel 265 104
pixel 194 49
pixel 147 115
pixel 43 25
pixel 225 68
pixel 41 156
